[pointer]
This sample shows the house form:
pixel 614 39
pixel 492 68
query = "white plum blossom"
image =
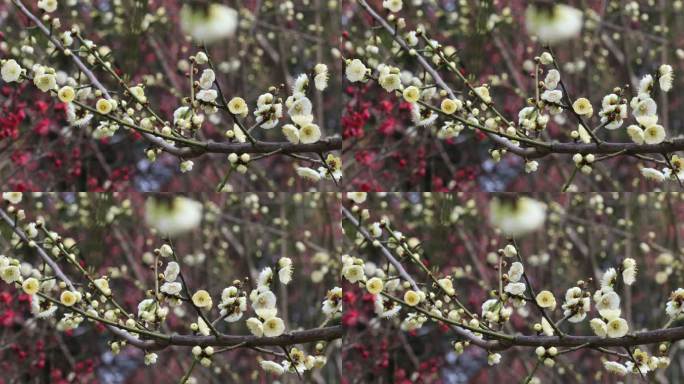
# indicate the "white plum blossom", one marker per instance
pixel 272 367
pixel 608 305
pixel 673 307
pixel 629 271
pixel 171 271
pixel 653 174
pixel 654 134
pixel 12 197
pixel 636 134
pixel 515 272
pixel 172 289
pixel 617 327
pixel 333 302
pixel 554 96
pixel 269 111
pixel 665 77
pixel 422 116
pixel 356 71
pixel 552 79
pixel 285 271
pixel 10 71
pixel 516 289
pixel 207 95
pixel 576 305
pixel 321 77
pixel 646 85
pixel 393 5
pixel 615 367
pixel 308 173
pixel 599 327
pixel 48 5
pixel 206 80
pixel 613 111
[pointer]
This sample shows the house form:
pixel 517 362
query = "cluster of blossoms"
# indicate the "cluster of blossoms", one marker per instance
pixel 264 303
pixel 268 324
pixel 303 129
pixel 610 324
pixel 575 308
pixel 268 114
pixel 298 362
pixel 642 363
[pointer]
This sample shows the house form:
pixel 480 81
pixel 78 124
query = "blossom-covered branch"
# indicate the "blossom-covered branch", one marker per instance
pixel 432 99
pixel 398 294
pixel 128 107
pixel 85 296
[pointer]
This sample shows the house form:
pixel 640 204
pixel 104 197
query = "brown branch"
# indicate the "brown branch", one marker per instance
pixel 325 145
pixel 639 338
pixel 223 340
pixel 669 146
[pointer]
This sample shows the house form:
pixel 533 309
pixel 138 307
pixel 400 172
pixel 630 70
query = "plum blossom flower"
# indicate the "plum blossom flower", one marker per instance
pixel 653 174
pixel 583 107
pixel 674 307
pixel 12 197
pixel 47 5
pixel 285 271
pixel 615 367
pixel 272 367
pixel 655 134
pixel 617 327
pixel 545 299
pixel 308 173
pixel 665 77
pixel 355 71
pixel 10 71
pixel 202 299
pixel 393 5
pixel 274 327
pixel 599 327
pixel 310 133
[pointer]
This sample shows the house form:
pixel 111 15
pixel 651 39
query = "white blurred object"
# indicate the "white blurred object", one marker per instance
pixel 553 24
pixel 173 216
pixel 516 216
pixel 209 24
